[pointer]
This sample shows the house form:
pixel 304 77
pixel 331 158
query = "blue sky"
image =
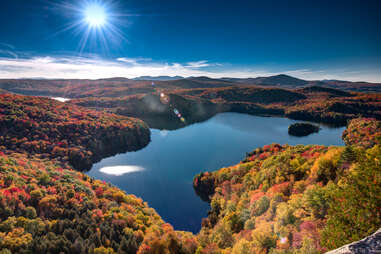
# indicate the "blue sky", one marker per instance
pixel 308 39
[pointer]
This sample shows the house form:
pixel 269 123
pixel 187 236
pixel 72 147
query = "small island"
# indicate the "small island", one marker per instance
pixel 302 129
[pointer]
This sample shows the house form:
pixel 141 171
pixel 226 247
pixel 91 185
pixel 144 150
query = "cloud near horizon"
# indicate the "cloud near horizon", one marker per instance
pixel 68 67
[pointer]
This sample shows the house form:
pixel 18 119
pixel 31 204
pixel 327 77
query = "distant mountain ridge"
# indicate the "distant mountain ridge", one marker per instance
pixel 277 80
pixel 158 78
pixel 54 86
pixel 287 81
pixel 280 80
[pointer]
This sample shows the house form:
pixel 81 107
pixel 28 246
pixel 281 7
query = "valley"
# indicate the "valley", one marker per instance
pixel 279 199
pixel 190 127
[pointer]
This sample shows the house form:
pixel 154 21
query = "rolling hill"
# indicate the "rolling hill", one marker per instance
pixel 114 87
pixel 279 199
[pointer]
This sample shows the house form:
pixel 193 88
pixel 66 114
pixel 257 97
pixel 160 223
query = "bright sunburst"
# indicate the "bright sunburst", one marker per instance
pixel 95 15
pixel 95 22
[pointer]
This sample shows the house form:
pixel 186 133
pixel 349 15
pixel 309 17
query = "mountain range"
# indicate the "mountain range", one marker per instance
pixel 281 80
pixel 161 78
pixel 75 88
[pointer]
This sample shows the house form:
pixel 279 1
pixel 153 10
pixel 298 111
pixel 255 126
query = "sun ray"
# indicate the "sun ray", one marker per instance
pixel 84 39
pixel 97 24
pixel 66 28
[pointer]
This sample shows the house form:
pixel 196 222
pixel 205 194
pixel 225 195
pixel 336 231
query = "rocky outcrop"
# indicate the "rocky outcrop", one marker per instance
pixel 368 245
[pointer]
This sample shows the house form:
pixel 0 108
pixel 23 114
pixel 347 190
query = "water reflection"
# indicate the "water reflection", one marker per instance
pixel 61 99
pixel 120 170
pixel 173 158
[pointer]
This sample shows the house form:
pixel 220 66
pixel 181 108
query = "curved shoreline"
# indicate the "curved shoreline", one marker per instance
pixel 93 135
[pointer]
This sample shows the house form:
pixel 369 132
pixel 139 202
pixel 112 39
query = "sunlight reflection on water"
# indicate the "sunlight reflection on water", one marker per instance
pixel 61 99
pixel 120 170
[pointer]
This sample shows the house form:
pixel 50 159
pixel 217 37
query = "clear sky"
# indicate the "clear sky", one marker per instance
pixel 238 38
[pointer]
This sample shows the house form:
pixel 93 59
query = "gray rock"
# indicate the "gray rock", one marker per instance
pixel 368 245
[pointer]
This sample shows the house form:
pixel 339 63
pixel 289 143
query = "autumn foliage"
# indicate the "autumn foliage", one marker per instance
pixel 48 128
pixel 278 199
pixel 295 199
pixel 315 103
pixel 364 132
pixel 48 209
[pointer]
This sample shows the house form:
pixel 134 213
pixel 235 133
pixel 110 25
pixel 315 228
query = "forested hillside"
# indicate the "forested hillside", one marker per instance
pixel 295 199
pixel 199 98
pixel 279 199
pixel 317 104
pixel 48 128
pixel 48 209
pixel 363 132
pixel 111 87
pixel 190 127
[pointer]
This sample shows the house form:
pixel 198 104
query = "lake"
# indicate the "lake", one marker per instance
pixel 162 172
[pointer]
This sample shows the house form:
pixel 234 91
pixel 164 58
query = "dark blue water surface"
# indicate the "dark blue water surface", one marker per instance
pixel 166 167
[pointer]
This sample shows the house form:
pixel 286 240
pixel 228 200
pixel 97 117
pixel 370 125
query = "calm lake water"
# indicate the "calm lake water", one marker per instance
pixel 162 173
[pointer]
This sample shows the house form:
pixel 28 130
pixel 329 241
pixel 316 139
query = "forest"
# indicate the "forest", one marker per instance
pixel 48 128
pixel 45 208
pixel 318 104
pixel 278 199
pixel 199 98
pixel 295 199
pixel 48 207
pixel 190 127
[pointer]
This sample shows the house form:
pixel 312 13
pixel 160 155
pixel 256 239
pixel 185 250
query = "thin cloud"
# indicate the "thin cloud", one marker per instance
pixel 126 60
pixel 96 68
pixel 8 53
pixel 134 61
pixel 7 50
pixel 7 45
pixel 198 64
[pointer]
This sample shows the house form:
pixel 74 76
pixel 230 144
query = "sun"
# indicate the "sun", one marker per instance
pixel 95 15
pixel 97 22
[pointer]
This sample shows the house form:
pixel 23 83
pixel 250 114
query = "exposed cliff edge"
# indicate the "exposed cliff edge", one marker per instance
pixel 370 244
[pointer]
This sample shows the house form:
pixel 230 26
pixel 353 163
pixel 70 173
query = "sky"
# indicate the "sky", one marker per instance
pixel 216 38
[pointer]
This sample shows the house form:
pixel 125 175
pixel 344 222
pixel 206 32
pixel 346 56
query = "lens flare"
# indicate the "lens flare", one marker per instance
pixel 164 98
